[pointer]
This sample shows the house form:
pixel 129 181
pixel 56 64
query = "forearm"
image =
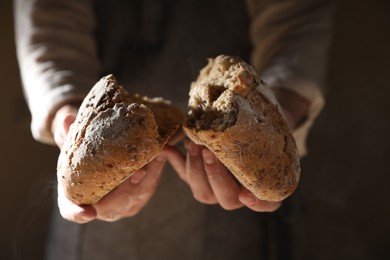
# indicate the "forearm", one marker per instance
pixel 290 40
pixel 56 54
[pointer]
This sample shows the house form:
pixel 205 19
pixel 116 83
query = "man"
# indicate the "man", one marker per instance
pixel 156 48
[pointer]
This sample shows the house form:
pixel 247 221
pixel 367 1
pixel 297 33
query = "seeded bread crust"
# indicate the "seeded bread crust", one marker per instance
pixel 114 134
pixel 234 114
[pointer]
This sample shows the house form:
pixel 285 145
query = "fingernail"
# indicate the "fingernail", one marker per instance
pixel 208 157
pixel 137 176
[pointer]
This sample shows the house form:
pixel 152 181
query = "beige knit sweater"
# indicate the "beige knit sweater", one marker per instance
pixel 58 57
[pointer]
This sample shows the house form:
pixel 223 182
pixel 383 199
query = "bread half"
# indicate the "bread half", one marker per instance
pixel 114 134
pixel 234 114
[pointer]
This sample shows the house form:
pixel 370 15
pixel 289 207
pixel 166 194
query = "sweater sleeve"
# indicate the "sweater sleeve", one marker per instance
pixel 290 40
pixel 56 54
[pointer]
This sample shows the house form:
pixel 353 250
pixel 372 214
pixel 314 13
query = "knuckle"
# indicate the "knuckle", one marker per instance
pixel 206 198
pixel 142 194
pixel 213 176
pixel 216 174
pixel 133 212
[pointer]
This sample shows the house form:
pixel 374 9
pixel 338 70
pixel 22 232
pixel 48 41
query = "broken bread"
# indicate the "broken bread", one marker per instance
pixel 235 115
pixel 114 134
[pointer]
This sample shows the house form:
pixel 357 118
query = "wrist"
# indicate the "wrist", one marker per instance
pixel 295 107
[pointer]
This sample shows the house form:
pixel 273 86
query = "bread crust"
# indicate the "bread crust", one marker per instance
pixel 247 131
pixel 114 134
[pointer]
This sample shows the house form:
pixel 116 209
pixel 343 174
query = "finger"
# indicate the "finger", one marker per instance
pixel 62 129
pixel 63 118
pixel 177 137
pixel 178 161
pixel 154 170
pixel 78 214
pixel 224 186
pixel 129 198
pixel 250 201
pixel 137 176
pixel 196 176
pixel 73 212
pixel 111 207
pixel 148 185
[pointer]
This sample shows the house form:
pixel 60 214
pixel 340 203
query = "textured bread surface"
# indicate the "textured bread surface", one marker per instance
pixel 114 134
pixel 234 114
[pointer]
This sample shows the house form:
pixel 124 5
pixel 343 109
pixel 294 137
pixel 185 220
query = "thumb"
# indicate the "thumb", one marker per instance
pixel 63 119
pixel 62 128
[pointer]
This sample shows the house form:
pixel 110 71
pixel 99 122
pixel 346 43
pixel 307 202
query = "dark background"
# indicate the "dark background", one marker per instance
pixel 27 168
pixel 345 179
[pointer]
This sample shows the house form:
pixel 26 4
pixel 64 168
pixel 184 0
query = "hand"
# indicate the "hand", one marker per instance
pixel 125 200
pixel 211 182
pixel 294 106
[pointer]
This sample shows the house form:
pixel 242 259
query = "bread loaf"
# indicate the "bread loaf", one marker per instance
pixel 113 135
pixel 234 114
